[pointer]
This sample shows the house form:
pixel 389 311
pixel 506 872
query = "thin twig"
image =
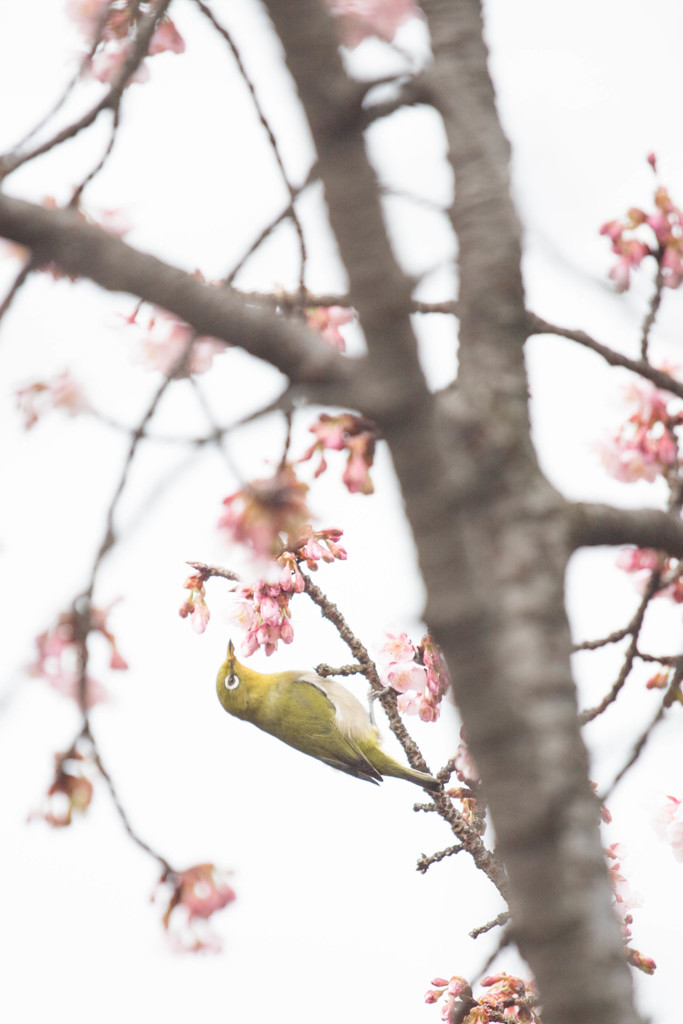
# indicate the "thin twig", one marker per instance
pixel 102 19
pixel 271 138
pixel 502 919
pixel 110 100
pixel 78 191
pixel 425 862
pixel 268 230
pixel 645 735
pixel 633 628
pixel 168 870
pixel 21 278
pixel 658 377
pixel 651 316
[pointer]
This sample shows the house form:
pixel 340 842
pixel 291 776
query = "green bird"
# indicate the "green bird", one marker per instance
pixel 315 715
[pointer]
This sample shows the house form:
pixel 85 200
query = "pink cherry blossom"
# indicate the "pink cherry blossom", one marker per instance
pixel 106 65
pixel 166 38
pixel 672 267
pixel 58 657
pixel 71 790
pixel 397 648
pixel 195 895
pixel 59 392
pixel 264 612
pixel 353 433
pixel 465 765
pixel 360 19
pixel 195 605
pixel 86 14
pixel 162 345
pixel 259 514
pixel 645 446
pixel 669 824
pixel 327 320
pixel 406 675
pixel 418 675
pixel 635 559
pixel 665 224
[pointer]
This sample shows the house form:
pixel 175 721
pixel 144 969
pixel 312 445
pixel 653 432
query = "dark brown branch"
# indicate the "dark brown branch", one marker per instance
pixel 639 366
pixel 416 91
pixel 596 525
pixel 634 627
pixel 84 250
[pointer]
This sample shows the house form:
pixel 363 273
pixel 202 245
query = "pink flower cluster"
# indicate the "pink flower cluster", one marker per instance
pixel 419 675
pixel 58 392
pixel 360 19
pixel 352 433
pixel 625 900
pixel 669 825
pixel 643 562
pixel 507 998
pixel 261 512
pixel 666 224
pixel 118 33
pixel 195 606
pixel 57 660
pixel 165 339
pixel 645 446
pixel 71 790
pixel 263 610
pixel 327 320
pixel 196 894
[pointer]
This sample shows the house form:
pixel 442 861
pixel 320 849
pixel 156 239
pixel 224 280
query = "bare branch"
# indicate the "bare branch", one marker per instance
pixel 206 11
pixel 110 101
pixel 639 366
pixel 596 525
pixel 84 250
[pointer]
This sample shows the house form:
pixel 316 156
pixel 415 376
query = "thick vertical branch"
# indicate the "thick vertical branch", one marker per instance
pixel 492 534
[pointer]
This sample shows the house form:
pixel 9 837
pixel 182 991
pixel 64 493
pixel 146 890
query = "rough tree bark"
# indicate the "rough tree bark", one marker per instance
pixel 492 534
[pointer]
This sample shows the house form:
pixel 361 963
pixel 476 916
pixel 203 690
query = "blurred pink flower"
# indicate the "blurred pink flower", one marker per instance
pixel 59 392
pixel 105 65
pixel 261 512
pixel 166 338
pixel 353 433
pixel 669 824
pixel 198 892
pixel 195 605
pixel 71 790
pixel 166 38
pixel 327 320
pixel 359 19
pixel 397 648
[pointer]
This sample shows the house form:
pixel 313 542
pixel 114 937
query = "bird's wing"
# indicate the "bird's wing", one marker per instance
pixel 309 721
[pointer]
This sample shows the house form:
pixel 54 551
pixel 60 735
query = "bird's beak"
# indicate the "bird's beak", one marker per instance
pixel 231 651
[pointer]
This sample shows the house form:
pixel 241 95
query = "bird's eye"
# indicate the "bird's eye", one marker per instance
pixel 232 682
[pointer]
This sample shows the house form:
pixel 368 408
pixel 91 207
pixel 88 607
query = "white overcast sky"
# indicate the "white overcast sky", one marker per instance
pixel 332 922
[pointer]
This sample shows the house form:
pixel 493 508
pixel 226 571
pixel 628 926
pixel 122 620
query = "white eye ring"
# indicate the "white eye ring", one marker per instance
pixel 232 681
